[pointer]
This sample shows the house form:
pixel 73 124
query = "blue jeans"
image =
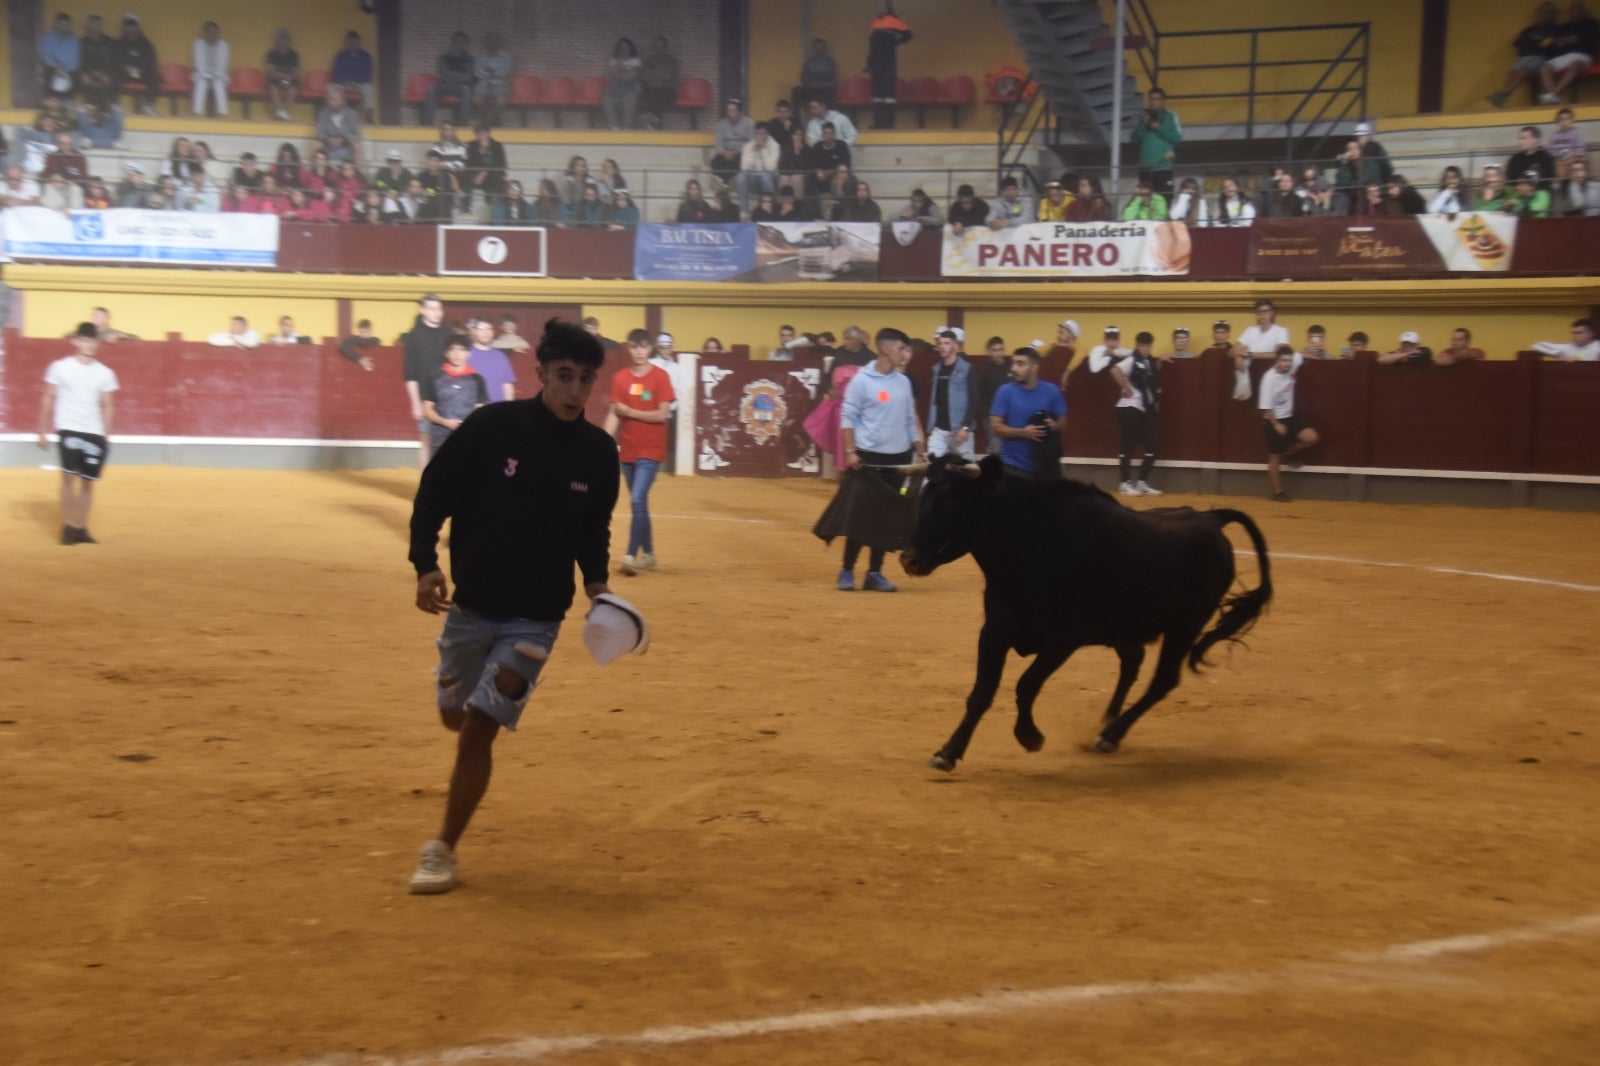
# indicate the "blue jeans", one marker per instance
pixel 474 648
pixel 640 475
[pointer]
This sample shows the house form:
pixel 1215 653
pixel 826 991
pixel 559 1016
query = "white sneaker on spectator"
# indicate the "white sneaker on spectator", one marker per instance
pixel 1127 488
pixel 1549 98
pixel 148 109
pixel 282 116
pixel 1145 489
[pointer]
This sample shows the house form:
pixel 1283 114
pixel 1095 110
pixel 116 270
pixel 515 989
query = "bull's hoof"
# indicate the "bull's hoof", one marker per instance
pixel 943 762
pixel 1104 746
pixel 1031 741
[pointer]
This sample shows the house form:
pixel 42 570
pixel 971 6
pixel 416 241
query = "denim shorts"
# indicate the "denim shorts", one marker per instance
pixel 473 649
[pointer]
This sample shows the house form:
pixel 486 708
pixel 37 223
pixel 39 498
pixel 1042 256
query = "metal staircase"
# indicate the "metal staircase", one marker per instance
pixel 1066 43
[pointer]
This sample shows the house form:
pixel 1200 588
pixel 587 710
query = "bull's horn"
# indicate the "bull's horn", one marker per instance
pixel 970 471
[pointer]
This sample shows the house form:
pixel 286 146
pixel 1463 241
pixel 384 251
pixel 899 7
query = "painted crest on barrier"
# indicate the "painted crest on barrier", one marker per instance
pixel 762 410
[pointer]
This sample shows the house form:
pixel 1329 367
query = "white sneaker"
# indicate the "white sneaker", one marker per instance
pixel 436 870
pixel 282 116
pixel 1549 98
pixel 644 561
pixel 1127 488
pixel 629 566
pixel 1145 489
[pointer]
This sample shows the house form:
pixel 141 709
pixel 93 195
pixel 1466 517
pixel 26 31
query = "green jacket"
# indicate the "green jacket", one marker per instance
pixel 1156 211
pixel 1158 146
pixel 1536 205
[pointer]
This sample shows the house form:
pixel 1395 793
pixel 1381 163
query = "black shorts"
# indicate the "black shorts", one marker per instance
pixel 1279 443
pixel 83 454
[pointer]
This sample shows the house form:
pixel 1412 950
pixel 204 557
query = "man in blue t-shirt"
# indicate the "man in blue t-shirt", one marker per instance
pixel 1025 412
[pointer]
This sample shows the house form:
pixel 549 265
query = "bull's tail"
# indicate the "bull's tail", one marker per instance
pixel 1240 611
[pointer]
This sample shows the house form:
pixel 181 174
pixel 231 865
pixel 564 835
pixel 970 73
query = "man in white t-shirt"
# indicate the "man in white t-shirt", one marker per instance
pixel 1584 348
pixel 1108 351
pixel 237 335
pixel 1286 434
pixel 77 404
pixel 666 357
pixel 1259 341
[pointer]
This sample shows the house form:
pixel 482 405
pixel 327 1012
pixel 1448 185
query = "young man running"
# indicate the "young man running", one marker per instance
pixel 641 405
pixel 529 486
pixel 77 403
pixel 1286 434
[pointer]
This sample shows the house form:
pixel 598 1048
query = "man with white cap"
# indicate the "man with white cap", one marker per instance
pixel 1409 351
pixel 1108 351
pixel 529 487
pixel 1371 149
pixel 1067 333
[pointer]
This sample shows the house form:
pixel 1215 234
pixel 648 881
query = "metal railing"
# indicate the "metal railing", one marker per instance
pixel 1021 119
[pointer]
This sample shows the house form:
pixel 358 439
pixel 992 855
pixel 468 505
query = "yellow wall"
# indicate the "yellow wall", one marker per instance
pixel 1478 51
pixel 194 317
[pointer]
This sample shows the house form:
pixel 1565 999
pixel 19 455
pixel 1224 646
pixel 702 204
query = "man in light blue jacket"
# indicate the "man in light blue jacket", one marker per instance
pixel 950 414
pixel 878 423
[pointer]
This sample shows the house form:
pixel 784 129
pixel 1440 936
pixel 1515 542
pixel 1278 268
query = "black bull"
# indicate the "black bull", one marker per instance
pixel 1065 566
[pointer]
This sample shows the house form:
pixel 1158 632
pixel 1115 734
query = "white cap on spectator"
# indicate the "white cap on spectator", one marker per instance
pixel 137 168
pixel 665 338
pixel 394 153
pixel 1071 325
pixel 1363 128
pixel 1410 337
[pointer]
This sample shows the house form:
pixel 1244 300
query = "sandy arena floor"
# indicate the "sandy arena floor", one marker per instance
pixel 220 756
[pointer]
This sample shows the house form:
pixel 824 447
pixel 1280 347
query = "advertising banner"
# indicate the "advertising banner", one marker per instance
pixel 688 252
pixel 758 252
pixel 127 235
pixel 1470 242
pixel 1068 250
pixel 749 417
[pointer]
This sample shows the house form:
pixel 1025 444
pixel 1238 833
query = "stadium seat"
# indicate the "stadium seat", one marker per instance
pixel 591 91
pixel 176 84
pixel 416 94
pixel 314 87
pixel 129 87
pixel 1592 75
pixel 559 93
pixel 694 96
pixel 246 85
pixel 919 93
pixel 854 94
pixel 956 93
pixel 526 90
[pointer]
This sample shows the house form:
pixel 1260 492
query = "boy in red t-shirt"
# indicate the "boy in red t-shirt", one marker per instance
pixel 641 404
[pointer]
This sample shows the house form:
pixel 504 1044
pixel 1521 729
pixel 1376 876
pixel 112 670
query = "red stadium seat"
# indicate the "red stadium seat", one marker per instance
pixel 248 84
pixel 314 86
pixel 591 91
pixel 919 93
pixel 694 96
pixel 559 93
pixel 956 93
pixel 1592 74
pixel 176 84
pixel 526 90
pixel 854 94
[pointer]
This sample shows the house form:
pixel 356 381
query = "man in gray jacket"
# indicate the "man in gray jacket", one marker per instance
pixel 734 130
pixel 950 411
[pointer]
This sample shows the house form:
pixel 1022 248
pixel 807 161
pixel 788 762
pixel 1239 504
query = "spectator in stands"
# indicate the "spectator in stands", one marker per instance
pixel 922 209
pixel 1356 342
pixel 575 180
pixel 517 211
pixel 823 160
pixel 287 169
pixel 1567 143
pixel 415 205
pixel 1452 198
pixel 1189 207
pixel 589 212
pixel 339 128
pixel 1147 205
pixel 1372 200
pixel 820 112
pixel 248 173
pixel 1010 208
pixel 131 192
pixel 510 338
pixel 1577 44
pixel 781 126
pixel 66 161
pixel 1316 346
pixel 354 347
pixel 286 333
pixel 790 209
pixel 485 173
pixel 734 131
pixel 1535 45
pixel 1286 434
pixel 693 207
pixel 20 190
pixel 97 128
pixel 621 99
pixel 1157 136
pixel 97 197
pixel 860 207
pixel 135 58
pixel 441 187
pixel 491 70
pixel 726 209
pixel 1492 193
pixel 282 69
pixel 60 55
pixel 372 208
pixel 887 33
pixel 199 194
pixel 59 194
pixel 546 207
pixel 1577 195
pixel 352 184
pixel 1053 208
pixel 352 68
pixel 1583 348
pixel 758 167
pixel 1233 207
pixel 610 180
pixel 308 207
pixel 1356 171
pixel 658 84
pixel 1401 199
pixel 180 159
pixel 1090 204
pixel 97 69
pixel 967 210
pixel 271 200
pixel 766 209
pixel 1410 350
pixel 1373 151
pixel 210 71
pixel 1324 202
pixel 1221 338
pixel 819 75
pixel 1530 155
pixel 392 178
pixel 1460 350
pixel 454 70
pixel 1528 200
pixel 237 335
pixel 1180 345
pixel 1282 200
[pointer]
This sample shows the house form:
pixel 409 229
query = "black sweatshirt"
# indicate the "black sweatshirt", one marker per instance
pixel 529 495
pixel 424 350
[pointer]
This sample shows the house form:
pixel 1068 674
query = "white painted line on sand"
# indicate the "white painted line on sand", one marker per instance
pixel 1518 578
pixel 536 1048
